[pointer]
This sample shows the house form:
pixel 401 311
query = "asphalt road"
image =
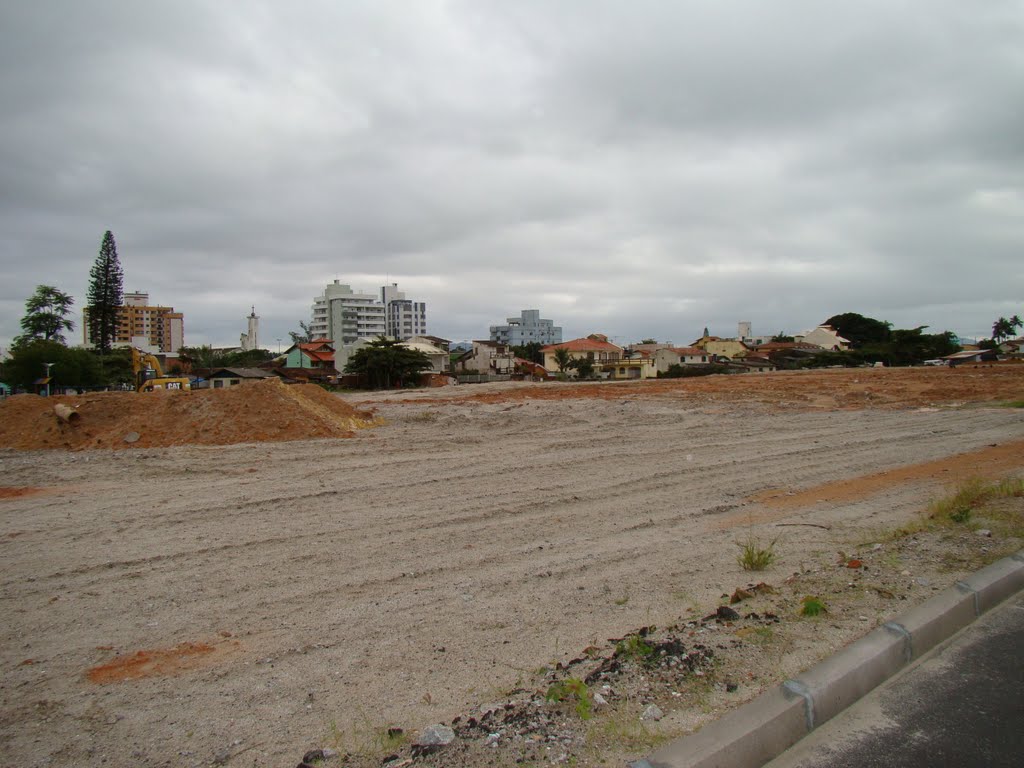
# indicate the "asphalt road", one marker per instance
pixel 960 705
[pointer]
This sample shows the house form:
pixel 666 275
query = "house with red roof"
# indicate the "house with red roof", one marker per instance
pixel 317 354
pixel 594 347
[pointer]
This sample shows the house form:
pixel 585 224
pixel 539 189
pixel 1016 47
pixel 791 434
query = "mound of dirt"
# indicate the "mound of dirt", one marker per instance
pixel 258 412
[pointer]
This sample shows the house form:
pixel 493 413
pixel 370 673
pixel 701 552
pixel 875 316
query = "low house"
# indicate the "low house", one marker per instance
pixel 531 370
pixel 486 358
pixel 970 356
pixel 1012 348
pixel 752 363
pixel 232 377
pixel 438 357
pixel 825 336
pixel 666 358
pixel 718 347
pixel 317 354
pixel 636 367
pixel 435 341
pixel 594 347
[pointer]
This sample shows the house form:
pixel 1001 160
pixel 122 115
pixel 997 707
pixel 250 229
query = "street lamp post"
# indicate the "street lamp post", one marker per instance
pixel 48 367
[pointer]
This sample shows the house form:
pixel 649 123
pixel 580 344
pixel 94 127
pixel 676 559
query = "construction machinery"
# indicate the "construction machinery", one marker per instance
pixel 149 375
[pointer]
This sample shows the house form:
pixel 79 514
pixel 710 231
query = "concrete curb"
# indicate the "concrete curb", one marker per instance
pixel 759 731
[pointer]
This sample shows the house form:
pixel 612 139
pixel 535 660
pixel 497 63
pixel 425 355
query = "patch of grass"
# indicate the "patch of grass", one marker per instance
pixel 812 606
pixel 1013 404
pixel 622 729
pixel 575 691
pixel 754 557
pixel 968 497
pixel 634 648
pixel 621 600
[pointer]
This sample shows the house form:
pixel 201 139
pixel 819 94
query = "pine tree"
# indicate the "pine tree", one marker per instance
pixel 105 295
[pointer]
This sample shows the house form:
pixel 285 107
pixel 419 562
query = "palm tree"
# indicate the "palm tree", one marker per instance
pixel 562 359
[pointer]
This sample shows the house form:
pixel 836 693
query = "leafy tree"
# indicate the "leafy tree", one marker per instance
pixel 249 358
pixel 303 336
pixel 203 356
pixel 105 295
pixel 563 359
pixel 71 367
pixel 648 341
pixel 530 351
pixel 1004 328
pixel 860 330
pixel 46 316
pixel 780 337
pixel 584 367
pixel 385 362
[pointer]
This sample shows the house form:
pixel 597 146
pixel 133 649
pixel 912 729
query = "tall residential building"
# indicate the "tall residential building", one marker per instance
pixel 526 328
pixel 140 324
pixel 344 316
pixel 405 318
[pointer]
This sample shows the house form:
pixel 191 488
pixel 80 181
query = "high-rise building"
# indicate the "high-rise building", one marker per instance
pixel 344 316
pixel 405 318
pixel 528 327
pixel 140 324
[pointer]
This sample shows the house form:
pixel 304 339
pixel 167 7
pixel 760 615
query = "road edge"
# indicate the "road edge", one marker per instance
pixel 762 729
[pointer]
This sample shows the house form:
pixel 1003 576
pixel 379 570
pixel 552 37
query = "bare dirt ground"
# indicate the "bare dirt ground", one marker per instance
pixel 241 604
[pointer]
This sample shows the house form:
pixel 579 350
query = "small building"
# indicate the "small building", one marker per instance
pixel 438 357
pixel 666 358
pixel 824 336
pixel 971 356
pixel 486 358
pixel 594 347
pixel 625 368
pixel 317 354
pixel 232 377
pixel 718 347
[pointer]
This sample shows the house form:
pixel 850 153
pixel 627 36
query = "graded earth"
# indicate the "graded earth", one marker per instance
pixel 243 603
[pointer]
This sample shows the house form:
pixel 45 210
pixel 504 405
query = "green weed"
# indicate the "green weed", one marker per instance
pixel 754 557
pixel 573 690
pixel 812 606
pixel 634 648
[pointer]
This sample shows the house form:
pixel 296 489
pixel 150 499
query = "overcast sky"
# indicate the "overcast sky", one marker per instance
pixel 639 169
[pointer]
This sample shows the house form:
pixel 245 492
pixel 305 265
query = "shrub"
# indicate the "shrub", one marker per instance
pixel 754 557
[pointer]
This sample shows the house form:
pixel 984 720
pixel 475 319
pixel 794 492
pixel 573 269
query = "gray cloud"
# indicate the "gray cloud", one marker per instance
pixel 639 169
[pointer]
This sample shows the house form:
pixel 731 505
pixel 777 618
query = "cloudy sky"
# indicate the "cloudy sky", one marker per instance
pixel 641 169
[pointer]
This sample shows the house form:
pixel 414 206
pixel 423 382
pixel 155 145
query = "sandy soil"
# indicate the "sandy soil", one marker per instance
pixel 240 604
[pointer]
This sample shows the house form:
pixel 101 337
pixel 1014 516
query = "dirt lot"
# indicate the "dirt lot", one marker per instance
pixel 241 604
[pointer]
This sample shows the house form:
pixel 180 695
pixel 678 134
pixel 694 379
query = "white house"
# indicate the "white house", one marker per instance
pixel 824 336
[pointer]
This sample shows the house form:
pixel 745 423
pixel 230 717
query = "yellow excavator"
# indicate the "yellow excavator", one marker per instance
pixel 150 376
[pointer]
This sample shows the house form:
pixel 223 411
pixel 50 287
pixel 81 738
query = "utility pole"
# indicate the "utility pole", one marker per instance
pixel 48 367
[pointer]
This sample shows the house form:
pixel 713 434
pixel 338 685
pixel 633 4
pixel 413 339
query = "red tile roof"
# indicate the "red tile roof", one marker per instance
pixel 583 345
pixel 689 351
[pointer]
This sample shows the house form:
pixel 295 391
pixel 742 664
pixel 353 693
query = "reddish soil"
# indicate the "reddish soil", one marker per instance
pixel 831 389
pixel 17 493
pixel 162 662
pixel 266 411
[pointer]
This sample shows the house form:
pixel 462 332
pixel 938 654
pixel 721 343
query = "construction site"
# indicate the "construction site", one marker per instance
pixel 248 575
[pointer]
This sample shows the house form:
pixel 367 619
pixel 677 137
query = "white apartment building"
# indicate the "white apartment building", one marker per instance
pixel 344 316
pixel 405 318
pixel 526 328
